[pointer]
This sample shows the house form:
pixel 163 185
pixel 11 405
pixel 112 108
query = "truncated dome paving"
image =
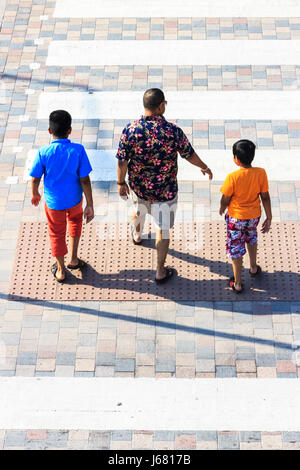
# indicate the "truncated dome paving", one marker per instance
pixel 118 270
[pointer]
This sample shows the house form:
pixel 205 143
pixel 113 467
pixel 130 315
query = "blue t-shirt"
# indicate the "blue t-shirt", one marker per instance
pixel 62 163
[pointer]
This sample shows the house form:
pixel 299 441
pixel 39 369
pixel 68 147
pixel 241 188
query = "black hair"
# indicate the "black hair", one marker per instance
pixel 244 150
pixel 153 98
pixel 60 122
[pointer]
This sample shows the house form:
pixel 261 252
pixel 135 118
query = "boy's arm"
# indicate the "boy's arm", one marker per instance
pixel 36 197
pixel 87 189
pixel 224 203
pixel 266 201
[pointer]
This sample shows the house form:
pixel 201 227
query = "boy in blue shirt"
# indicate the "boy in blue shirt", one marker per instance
pixel 66 168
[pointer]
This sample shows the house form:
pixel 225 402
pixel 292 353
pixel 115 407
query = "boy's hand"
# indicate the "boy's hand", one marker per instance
pixel 266 226
pixel 88 213
pixel 35 200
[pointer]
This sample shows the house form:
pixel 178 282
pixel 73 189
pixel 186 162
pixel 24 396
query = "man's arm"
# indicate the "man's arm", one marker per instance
pixel 122 172
pixel 36 197
pixel 87 189
pixel 224 203
pixel 266 201
pixel 196 160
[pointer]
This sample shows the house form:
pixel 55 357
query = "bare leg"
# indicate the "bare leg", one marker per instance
pixel 74 243
pixel 252 251
pixel 237 264
pixel 162 246
pixel 61 269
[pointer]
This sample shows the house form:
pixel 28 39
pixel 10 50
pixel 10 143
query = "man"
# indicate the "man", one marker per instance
pixel 148 151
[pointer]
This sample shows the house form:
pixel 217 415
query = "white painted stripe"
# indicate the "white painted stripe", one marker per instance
pixel 12 180
pixel 281 165
pixel 175 8
pixel 172 52
pixel 149 404
pixel 254 105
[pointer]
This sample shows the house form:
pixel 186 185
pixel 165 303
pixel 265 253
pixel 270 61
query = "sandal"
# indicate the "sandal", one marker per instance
pixel 231 284
pixel 54 269
pixel 81 264
pixel 257 272
pixel 169 274
pixel 132 236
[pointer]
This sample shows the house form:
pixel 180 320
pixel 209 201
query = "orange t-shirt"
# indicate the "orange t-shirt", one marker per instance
pixel 244 186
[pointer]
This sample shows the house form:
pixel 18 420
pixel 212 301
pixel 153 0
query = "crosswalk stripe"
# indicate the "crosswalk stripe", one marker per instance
pixel 281 165
pixel 226 105
pixel 173 52
pixel 147 404
pixel 176 8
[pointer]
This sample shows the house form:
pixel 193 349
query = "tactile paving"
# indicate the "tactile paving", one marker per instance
pixel 119 270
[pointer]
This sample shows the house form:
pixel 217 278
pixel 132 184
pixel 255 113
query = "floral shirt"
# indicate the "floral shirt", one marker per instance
pixel 150 146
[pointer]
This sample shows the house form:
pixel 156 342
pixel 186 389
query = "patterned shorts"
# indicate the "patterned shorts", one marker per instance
pixel 240 232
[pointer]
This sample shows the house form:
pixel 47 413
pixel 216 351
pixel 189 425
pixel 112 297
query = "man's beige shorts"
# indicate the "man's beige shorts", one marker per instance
pixel 163 213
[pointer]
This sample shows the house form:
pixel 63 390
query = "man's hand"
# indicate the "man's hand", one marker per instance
pixel 35 200
pixel 208 172
pixel 88 213
pixel 266 226
pixel 123 190
pixel 222 210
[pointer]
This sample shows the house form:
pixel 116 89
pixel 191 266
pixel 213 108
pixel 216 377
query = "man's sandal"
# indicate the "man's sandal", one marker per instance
pixel 169 274
pixel 257 272
pixel 54 270
pixel 81 264
pixel 133 239
pixel 231 284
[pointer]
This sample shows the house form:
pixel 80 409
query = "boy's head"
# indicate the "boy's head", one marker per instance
pixel 243 152
pixel 60 124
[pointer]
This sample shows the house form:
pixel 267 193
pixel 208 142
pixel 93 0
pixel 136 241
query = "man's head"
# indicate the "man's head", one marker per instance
pixel 60 124
pixel 243 152
pixel 154 101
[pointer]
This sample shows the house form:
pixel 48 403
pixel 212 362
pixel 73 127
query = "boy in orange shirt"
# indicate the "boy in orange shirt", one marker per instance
pixel 242 191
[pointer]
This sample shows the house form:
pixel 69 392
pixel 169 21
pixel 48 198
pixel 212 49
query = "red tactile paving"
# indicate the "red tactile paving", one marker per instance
pixel 119 270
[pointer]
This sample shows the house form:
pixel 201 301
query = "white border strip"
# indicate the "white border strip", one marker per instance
pixel 175 8
pixel 172 52
pixel 253 105
pixel 150 404
pixel 281 165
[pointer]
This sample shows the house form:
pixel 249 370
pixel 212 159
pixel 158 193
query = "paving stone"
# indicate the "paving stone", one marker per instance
pixel 253 436
pixel 121 435
pixel 57 439
pixel 225 371
pixel 125 365
pixel 99 440
pixel 15 438
pixel 228 441
pixel 267 360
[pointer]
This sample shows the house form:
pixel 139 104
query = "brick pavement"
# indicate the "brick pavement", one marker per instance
pixel 28 29
pixel 35 439
pixel 150 339
pixel 240 339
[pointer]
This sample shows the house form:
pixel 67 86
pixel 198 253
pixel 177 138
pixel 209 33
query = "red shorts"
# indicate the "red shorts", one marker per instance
pixel 57 227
